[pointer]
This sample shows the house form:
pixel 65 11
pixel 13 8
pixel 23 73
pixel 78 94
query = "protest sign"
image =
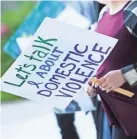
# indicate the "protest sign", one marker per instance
pixel 57 64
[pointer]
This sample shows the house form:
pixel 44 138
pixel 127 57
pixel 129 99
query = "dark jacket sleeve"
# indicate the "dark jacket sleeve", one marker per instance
pixel 130 20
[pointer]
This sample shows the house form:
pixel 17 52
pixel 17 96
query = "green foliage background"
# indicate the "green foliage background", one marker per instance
pixel 13 19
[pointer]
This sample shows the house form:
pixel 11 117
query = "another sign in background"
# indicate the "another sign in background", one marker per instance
pixel 32 22
pixel 58 64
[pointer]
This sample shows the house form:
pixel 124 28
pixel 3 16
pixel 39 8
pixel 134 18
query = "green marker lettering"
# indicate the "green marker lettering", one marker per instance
pixel 40 53
pixel 45 41
pixel 32 58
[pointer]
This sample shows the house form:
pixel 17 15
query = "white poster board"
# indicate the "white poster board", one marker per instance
pixel 57 64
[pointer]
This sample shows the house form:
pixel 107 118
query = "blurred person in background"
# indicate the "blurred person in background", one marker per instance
pixel 118 19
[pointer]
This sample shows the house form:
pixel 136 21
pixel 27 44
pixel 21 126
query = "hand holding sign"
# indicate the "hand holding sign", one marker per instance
pixel 118 90
pixel 57 64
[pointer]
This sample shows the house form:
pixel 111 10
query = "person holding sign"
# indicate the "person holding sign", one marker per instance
pixel 118 19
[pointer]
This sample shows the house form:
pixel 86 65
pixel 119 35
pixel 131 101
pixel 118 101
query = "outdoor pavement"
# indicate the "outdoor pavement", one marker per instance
pixel 28 120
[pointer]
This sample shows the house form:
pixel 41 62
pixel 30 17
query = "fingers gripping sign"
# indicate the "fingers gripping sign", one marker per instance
pixel 91 92
pixel 112 82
